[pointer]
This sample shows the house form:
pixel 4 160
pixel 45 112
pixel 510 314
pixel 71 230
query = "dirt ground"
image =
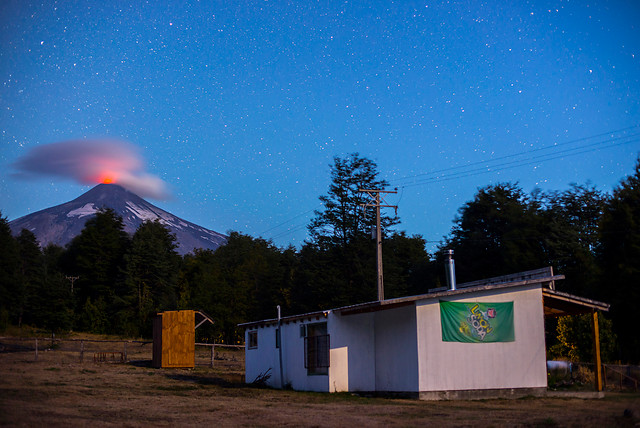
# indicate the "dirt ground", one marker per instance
pixel 59 390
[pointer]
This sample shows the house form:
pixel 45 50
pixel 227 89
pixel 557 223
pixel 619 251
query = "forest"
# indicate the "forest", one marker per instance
pixel 106 281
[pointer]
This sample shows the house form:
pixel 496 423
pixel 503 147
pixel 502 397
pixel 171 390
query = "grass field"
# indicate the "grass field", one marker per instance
pixel 59 390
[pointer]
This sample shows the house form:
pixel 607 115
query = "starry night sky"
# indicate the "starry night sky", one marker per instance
pixel 241 106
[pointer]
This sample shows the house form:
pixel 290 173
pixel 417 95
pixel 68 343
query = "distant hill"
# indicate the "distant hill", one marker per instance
pixel 60 224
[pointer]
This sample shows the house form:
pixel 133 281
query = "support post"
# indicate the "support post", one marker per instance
pixel 36 349
pixel 81 351
pixel 213 354
pixel 125 351
pixel 596 351
pixel 279 338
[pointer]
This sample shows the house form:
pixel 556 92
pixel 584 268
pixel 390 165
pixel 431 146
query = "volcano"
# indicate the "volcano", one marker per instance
pixel 60 224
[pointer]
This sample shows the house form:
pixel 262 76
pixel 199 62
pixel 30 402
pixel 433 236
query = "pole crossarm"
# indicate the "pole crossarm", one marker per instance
pixel 377 198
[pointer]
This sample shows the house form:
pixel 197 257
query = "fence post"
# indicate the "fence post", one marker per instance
pixel 82 351
pixel 125 351
pixel 213 353
pixel 36 349
pixel 604 376
pixel 620 381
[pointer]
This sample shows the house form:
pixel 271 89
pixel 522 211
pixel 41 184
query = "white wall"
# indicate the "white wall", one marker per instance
pixel 352 353
pixel 295 373
pixel 266 356
pixel 396 356
pixel 464 366
pixel 259 360
pixel 374 351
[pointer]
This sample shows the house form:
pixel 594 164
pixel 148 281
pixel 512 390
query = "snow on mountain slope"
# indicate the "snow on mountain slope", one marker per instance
pixel 60 224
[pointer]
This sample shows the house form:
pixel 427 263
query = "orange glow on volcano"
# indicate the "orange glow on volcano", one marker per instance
pixel 106 178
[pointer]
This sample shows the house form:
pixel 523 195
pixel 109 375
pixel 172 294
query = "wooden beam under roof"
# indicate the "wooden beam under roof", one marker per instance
pixel 557 303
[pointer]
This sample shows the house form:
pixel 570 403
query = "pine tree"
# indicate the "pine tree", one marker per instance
pixel 96 256
pixel 619 256
pixel 343 220
pixel 53 301
pixel 30 276
pixel 152 272
pixel 338 265
pixel 499 232
pixel 571 223
pixel 9 265
pixel 242 281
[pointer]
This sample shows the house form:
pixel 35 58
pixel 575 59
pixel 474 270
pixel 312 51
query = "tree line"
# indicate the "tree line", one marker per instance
pixel 105 281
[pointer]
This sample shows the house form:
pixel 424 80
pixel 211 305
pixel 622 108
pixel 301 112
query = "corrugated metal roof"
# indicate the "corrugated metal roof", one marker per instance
pixel 555 302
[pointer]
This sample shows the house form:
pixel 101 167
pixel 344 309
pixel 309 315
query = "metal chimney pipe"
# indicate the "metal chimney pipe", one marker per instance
pixel 450 269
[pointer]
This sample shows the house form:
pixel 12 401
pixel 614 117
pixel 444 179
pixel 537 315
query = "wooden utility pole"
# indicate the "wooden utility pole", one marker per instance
pixel 377 201
pixel 72 279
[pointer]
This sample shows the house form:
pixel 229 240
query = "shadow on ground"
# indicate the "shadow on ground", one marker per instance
pixel 225 381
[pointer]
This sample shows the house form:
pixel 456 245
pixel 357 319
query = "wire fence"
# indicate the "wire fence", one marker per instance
pixel 615 377
pixel 220 355
pixel 226 357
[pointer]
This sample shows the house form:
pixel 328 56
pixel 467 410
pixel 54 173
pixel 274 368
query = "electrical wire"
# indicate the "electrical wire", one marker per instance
pixel 291 219
pixel 511 165
pixel 553 147
pixel 490 166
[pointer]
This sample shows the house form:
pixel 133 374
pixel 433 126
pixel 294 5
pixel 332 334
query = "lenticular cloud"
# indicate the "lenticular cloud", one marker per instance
pixel 92 162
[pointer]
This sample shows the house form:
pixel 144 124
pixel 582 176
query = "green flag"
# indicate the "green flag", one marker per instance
pixel 476 322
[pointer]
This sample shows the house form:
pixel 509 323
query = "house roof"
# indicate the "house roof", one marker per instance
pixel 310 316
pixel 556 303
pixel 465 288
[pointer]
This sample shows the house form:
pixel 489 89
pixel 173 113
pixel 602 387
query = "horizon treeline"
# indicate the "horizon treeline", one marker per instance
pixel 106 281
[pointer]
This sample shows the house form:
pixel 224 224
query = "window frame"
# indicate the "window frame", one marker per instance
pixel 317 355
pixel 252 339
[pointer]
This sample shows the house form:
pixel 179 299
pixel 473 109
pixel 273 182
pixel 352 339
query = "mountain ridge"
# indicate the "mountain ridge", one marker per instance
pixel 61 223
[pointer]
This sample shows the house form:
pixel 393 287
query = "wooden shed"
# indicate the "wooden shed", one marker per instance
pixel 174 338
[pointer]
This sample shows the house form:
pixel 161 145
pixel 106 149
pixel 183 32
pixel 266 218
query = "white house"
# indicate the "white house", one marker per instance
pixel 484 339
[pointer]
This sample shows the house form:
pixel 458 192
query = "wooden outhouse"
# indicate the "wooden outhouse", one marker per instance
pixel 174 338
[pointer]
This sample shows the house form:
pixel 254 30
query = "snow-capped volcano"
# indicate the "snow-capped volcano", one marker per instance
pixel 60 224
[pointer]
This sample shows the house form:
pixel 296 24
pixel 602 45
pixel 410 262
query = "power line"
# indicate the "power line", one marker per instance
pixel 291 219
pixel 291 230
pixel 505 166
pixel 490 165
pixel 518 163
pixel 553 147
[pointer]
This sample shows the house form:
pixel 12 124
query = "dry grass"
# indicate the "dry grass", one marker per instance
pixel 59 390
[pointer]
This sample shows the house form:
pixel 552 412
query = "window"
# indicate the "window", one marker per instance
pixel 316 349
pixel 252 339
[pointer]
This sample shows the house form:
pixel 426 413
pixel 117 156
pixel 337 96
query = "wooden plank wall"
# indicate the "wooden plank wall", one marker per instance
pixel 178 339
